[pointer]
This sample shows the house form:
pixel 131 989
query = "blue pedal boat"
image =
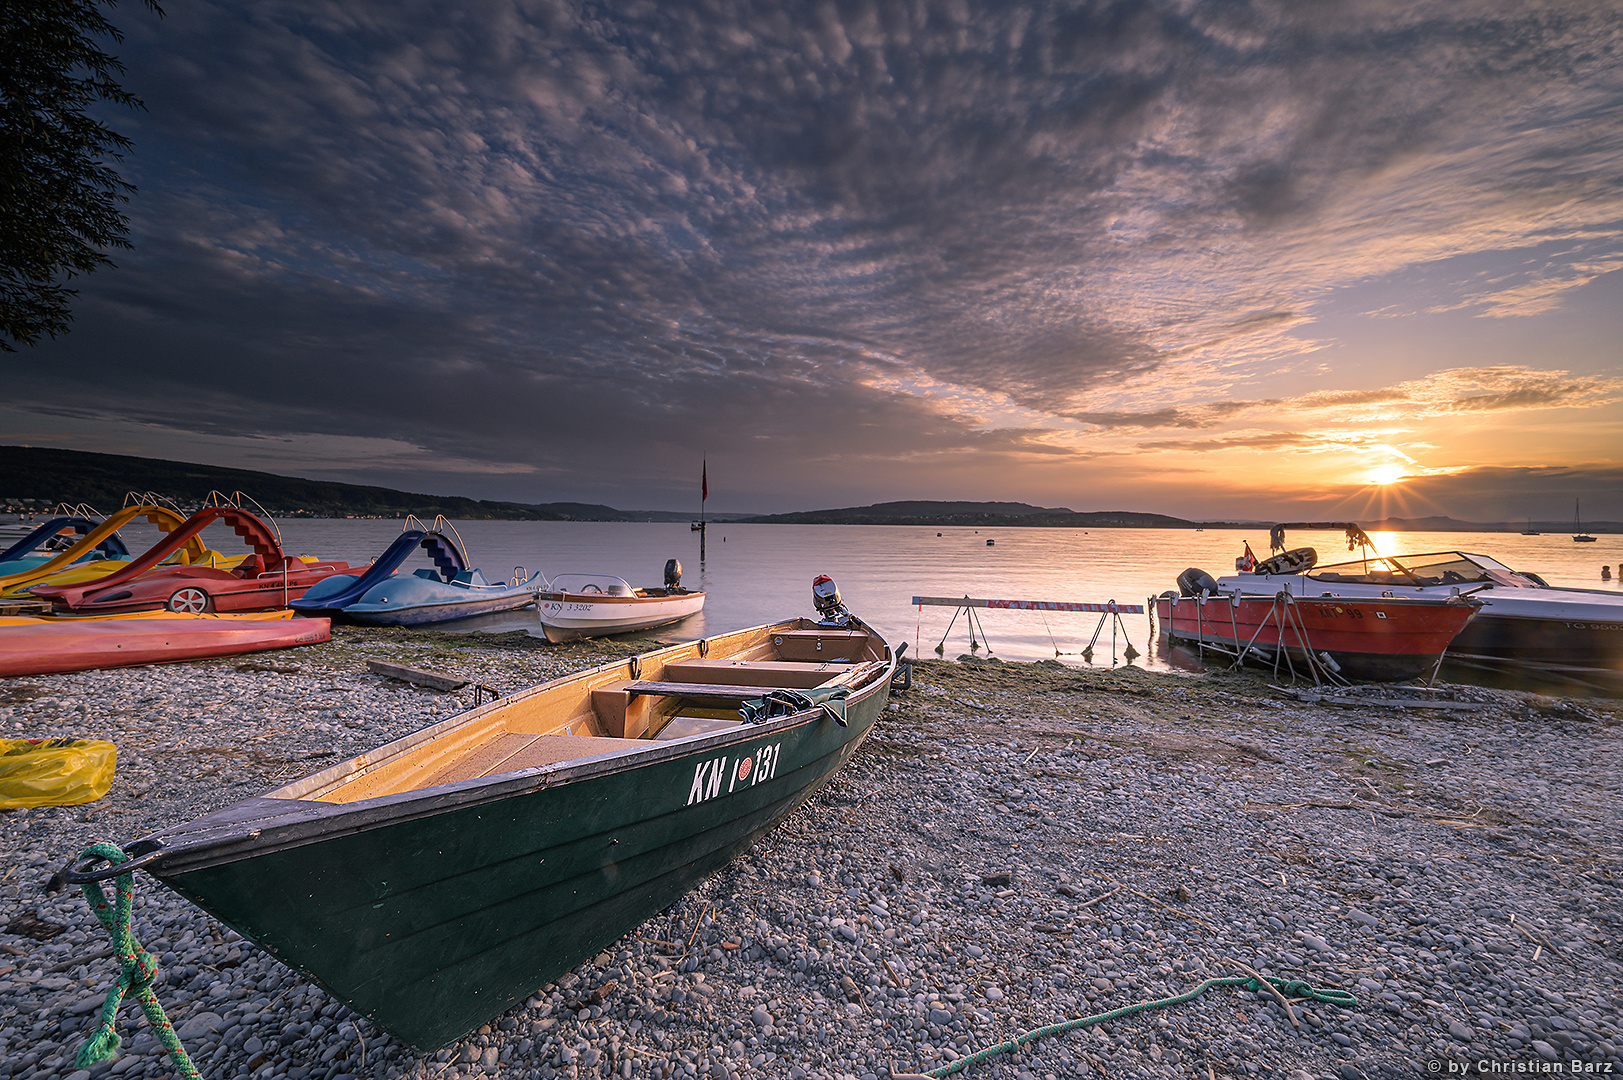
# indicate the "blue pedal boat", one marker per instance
pixel 448 590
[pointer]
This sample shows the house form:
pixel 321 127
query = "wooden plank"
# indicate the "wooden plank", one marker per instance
pixel 1027 605
pixel 416 676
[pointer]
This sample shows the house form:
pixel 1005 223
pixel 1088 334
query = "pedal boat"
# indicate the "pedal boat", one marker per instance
pixel 449 590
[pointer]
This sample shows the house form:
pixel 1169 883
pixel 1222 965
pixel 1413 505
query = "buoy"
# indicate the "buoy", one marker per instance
pixel 989 543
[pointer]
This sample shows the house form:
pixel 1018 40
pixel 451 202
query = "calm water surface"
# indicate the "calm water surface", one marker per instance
pixel 762 573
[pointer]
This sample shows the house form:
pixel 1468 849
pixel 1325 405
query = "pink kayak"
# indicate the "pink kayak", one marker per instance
pixel 47 645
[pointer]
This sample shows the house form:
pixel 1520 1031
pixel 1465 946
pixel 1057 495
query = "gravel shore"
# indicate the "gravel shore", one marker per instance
pixel 1017 844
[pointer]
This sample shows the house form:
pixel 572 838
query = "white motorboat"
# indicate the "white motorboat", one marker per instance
pixel 1524 624
pixel 574 606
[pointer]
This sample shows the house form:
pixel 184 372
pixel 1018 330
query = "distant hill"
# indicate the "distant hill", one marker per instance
pixel 102 480
pixel 1448 524
pixel 977 514
pixel 1010 514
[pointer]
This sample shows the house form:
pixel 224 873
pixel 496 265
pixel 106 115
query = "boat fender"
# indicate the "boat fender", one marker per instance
pixel 1194 581
pixel 1293 561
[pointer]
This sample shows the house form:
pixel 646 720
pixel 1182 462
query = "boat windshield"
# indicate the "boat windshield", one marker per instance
pixel 606 584
pixel 1438 568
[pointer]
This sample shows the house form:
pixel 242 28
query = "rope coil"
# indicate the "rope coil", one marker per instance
pixel 139 969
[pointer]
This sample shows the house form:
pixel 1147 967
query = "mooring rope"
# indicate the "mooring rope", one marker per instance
pixel 137 972
pixel 1287 987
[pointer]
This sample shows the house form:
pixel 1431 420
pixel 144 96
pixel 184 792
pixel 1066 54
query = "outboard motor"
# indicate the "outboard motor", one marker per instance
pixel 673 574
pixel 1194 581
pixel 826 596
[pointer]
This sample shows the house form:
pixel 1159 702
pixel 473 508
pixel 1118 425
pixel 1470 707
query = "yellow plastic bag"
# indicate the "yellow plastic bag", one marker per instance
pixel 54 772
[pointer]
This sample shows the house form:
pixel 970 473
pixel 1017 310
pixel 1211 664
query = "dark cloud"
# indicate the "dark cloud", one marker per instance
pixel 585 243
pixel 1194 416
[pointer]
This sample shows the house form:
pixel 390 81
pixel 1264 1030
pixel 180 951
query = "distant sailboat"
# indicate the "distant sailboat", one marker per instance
pixel 1578 527
pixel 1530 531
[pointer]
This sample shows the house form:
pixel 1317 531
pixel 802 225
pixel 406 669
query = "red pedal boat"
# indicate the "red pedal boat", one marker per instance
pixel 50 645
pixel 266 580
pixel 1385 639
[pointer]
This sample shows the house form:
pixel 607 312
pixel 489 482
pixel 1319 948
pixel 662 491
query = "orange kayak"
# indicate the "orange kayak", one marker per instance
pixel 49 645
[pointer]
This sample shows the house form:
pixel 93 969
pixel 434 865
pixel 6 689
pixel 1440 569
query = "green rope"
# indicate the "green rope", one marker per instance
pixel 135 979
pixel 1289 988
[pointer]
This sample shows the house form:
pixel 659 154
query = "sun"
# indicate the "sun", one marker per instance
pixel 1386 474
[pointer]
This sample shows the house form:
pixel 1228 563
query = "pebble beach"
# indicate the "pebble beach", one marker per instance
pixel 1016 845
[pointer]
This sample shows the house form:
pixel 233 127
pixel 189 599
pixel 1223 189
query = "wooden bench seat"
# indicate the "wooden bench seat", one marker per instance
pixel 769 674
pixel 820 644
pixel 626 708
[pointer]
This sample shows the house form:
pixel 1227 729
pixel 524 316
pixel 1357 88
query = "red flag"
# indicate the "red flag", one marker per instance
pixel 704 481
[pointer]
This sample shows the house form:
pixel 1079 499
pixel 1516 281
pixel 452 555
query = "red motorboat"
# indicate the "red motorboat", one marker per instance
pixel 1385 639
pixel 268 579
pixel 49 645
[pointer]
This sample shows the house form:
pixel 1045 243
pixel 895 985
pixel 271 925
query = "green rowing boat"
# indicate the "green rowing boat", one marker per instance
pixel 434 882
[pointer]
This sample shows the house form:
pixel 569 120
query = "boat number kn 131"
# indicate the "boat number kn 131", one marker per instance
pixel 754 767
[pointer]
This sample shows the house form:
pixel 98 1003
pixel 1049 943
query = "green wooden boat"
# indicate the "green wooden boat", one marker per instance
pixel 434 882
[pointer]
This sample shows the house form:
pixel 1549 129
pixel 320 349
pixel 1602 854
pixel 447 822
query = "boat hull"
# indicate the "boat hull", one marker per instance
pixel 50 645
pixel 1575 646
pixel 427 614
pixel 571 616
pixel 433 910
pixel 1379 639
pixel 1555 631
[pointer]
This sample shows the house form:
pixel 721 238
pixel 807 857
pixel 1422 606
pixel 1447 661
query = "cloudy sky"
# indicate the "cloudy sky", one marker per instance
pixel 1207 259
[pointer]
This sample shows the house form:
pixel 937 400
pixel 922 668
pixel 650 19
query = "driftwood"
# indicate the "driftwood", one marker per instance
pixel 416 676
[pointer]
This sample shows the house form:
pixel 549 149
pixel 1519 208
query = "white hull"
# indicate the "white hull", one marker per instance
pixel 570 616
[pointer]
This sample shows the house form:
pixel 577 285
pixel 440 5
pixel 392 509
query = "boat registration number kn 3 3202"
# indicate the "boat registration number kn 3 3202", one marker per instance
pixel 754 767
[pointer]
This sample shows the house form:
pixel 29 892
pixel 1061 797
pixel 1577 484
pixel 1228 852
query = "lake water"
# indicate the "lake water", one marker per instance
pixel 762 573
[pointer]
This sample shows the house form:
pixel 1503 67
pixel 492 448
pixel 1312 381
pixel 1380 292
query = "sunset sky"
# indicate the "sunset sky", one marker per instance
pixel 1203 259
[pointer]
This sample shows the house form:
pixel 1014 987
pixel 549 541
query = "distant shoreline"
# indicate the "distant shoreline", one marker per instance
pixel 40 478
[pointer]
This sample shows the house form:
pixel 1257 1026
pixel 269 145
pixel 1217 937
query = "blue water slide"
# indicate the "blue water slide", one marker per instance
pixel 343 590
pixel 110 548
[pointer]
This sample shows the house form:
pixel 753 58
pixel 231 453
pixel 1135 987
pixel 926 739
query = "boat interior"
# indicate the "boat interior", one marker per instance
pixel 677 692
